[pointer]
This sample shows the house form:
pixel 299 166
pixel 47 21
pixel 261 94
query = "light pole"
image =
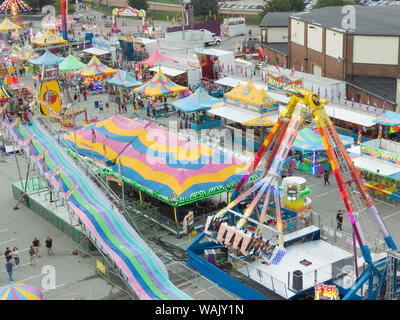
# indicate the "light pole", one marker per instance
pixel 183 19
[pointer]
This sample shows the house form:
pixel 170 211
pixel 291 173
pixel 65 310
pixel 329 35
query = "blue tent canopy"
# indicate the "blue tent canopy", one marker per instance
pixel 200 100
pixel 388 118
pixel 124 79
pixel 309 141
pixel 46 59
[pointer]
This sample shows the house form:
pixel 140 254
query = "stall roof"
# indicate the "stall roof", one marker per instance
pixel 356 117
pixel 96 51
pixel 172 72
pixel 199 100
pixel 310 140
pixel 371 164
pixel 233 113
pixel 232 82
pixel 388 118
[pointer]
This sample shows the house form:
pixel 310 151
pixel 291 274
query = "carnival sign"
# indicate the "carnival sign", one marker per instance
pixel 283 83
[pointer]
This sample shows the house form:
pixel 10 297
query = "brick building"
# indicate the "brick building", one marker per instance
pixel 367 57
pixel 274 36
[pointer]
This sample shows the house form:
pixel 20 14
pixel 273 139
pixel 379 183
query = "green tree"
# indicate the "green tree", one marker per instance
pixel 138 4
pixel 331 3
pixel 57 6
pixel 205 8
pixel 38 4
pixel 283 6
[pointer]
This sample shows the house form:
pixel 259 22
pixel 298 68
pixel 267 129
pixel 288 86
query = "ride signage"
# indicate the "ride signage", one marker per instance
pixel 283 83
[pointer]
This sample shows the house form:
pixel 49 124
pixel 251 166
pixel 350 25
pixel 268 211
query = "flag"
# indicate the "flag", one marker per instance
pixel 375 104
pixel 368 103
pixel 359 136
pixel 345 99
pixel 339 94
pixel 293 71
pixel 302 66
pixel 360 101
pixel 326 93
pixel 284 62
pixel 332 96
pixel 384 106
pixel 262 76
pixel 352 100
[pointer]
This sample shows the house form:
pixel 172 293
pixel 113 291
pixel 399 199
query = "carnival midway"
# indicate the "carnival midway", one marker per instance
pixel 162 161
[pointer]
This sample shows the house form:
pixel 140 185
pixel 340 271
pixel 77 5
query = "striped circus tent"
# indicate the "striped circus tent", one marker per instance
pixel 20 291
pixel 95 69
pixel 159 85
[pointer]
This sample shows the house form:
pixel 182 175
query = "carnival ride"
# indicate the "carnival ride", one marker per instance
pixel 14 6
pixel 381 277
pixel 141 270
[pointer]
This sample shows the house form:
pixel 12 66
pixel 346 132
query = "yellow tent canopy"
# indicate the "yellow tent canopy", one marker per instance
pixel 48 38
pixel 251 95
pixel 8 25
pixel 259 122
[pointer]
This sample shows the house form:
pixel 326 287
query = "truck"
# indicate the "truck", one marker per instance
pixel 234 27
pixel 208 38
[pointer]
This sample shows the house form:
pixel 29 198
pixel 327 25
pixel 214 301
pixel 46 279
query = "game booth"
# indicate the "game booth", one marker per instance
pixel 379 162
pixel 246 107
pixel 159 86
pixel 94 73
pixel 191 107
pixel 121 83
pixel 308 153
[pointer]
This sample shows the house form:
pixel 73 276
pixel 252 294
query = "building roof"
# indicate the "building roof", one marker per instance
pixel 384 88
pixel 375 20
pixel 276 19
pixel 280 47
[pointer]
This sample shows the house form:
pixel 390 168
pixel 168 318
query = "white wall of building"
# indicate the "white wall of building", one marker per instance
pixel 314 38
pixel 297 31
pixel 376 50
pixel 334 44
pixel 277 34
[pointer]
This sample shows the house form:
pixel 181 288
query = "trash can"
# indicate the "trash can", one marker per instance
pixel 297 280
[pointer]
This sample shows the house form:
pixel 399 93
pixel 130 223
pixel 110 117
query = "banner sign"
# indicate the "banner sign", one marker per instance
pixel 380 154
pixel 283 83
pixel 325 292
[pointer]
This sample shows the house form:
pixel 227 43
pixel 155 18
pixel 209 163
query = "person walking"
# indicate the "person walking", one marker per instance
pixel 36 245
pixel 9 268
pixel 101 109
pixel 32 255
pixel 326 177
pixel 15 255
pixel 49 245
pixel 84 93
pixel 339 220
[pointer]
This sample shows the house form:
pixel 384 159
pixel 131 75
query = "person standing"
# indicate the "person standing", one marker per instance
pixel 339 220
pixel 9 268
pixel 49 245
pixel 32 255
pixel 15 255
pixel 7 254
pixel 84 93
pixel 326 177
pixel 36 245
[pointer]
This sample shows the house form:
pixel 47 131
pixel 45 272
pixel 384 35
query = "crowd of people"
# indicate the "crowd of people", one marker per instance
pixel 13 258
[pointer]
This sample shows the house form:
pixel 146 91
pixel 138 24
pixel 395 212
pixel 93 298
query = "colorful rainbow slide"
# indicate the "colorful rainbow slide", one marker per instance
pixel 141 268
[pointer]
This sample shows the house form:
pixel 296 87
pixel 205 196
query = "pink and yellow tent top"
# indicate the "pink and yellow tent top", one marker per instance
pixel 48 38
pixel 159 85
pixel 7 25
pixel 155 57
pixel 161 162
pixel 95 69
